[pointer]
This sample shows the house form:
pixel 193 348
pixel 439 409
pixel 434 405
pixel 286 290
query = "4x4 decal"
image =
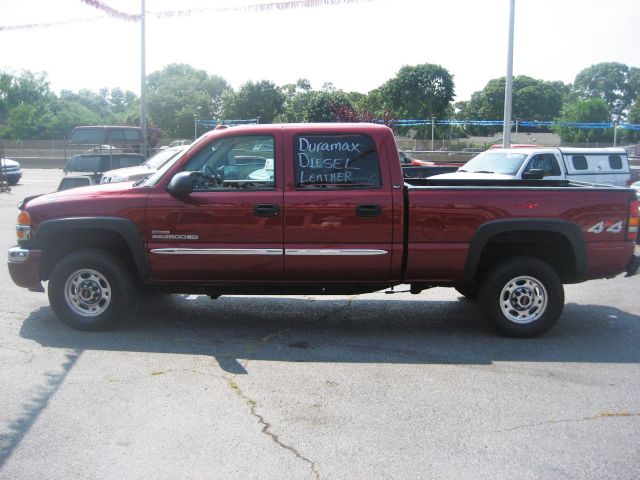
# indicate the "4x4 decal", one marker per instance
pixel 601 226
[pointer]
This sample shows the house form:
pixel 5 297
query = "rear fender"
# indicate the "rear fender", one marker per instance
pixel 571 231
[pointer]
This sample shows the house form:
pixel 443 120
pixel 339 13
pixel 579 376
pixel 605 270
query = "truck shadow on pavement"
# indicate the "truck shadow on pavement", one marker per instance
pixel 234 329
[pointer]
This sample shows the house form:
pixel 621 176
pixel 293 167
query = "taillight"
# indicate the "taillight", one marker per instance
pixel 23 227
pixel 634 219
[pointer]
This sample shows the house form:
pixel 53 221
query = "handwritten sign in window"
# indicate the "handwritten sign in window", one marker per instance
pixel 336 161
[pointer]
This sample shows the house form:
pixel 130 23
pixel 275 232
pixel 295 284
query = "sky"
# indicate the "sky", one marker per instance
pixel 356 46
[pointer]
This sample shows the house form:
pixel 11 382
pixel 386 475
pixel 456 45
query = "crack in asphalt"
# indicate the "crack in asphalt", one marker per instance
pixel 599 416
pixel 266 426
pixel 252 347
pixel 339 309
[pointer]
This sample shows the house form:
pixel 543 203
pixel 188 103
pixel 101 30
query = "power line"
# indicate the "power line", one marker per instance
pixel 110 11
pixel 117 14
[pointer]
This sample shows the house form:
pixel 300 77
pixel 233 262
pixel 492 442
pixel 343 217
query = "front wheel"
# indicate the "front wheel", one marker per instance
pixel 522 297
pixel 90 289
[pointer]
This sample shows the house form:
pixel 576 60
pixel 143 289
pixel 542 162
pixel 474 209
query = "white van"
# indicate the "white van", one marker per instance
pixel 607 166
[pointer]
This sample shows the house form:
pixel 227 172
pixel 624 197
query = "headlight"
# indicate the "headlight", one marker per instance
pixel 23 227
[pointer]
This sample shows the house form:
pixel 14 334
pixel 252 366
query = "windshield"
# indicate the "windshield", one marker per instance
pixel 161 157
pixel 151 180
pixel 506 163
pixel 85 163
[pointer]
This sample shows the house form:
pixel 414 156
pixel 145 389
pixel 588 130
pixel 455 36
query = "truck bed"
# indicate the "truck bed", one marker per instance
pixel 445 219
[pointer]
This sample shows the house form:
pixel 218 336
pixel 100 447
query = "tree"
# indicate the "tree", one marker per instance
pixel 322 106
pixel 632 136
pixel 418 92
pixel 25 99
pixel 634 112
pixel 615 83
pixel 66 114
pixel 178 93
pixel 261 100
pixel 97 103
pixel 592 110
pixel 533 99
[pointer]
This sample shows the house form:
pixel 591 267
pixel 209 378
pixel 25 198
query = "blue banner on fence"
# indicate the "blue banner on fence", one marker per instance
pixel 521 123
pixel 215 123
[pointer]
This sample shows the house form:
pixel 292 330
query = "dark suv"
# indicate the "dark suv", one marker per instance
pixel 87 168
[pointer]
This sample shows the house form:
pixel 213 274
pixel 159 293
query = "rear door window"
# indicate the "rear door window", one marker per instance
pixel 336 161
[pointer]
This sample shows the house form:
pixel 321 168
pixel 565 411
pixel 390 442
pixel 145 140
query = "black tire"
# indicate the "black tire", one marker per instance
pixel 90 289
pixel 470 293
pixel 522 297
pixel 13 182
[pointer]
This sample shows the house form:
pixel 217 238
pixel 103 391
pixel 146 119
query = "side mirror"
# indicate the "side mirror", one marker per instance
pixel 533 174
pixel 181 184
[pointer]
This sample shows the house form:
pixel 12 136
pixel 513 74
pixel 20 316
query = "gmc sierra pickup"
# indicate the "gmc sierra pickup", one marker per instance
pixel 319 209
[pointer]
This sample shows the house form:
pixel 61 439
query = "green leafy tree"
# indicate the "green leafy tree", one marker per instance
pixel 418 92
pixel 615 83
pixel 533 99
pixel 634 112
pixel 632 136
pixel 95 102
pixel 25 99
pixel 23 122
pixel 296 96
pixel 592 110
pixel 261 100
pixel 323 105
pixel 66 114
pixel 178 93
pixel 120 101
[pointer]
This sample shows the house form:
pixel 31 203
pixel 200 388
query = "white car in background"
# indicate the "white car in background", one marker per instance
pixel 11 171
pixel 131 174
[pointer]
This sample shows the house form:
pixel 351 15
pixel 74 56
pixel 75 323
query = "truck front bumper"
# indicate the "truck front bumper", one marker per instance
pixel 24 268
pixel 634 263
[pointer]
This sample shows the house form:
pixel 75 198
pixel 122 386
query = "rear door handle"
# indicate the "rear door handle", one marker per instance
pixel 267 210
pixel 368 210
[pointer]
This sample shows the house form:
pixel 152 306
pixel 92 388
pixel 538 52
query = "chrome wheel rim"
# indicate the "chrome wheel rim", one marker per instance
pixel 87 292
pixel 523 299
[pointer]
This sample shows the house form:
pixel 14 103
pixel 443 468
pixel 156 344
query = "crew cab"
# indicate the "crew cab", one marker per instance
pixel 319 209
pixel 607 166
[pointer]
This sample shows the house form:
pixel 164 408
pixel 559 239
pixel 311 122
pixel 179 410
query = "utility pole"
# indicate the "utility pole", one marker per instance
pixel 143 84
pixel 433 125
pixel 506 131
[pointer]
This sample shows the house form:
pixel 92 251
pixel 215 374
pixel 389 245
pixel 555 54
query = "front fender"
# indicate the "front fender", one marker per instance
pixel 123 227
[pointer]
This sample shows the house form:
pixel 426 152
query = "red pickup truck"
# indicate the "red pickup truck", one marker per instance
pixel 319 209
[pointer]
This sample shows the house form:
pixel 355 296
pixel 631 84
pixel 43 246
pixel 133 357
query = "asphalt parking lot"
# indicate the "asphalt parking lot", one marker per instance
pixel 368 386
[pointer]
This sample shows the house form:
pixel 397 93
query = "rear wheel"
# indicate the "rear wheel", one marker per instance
pixel 90 289
pixel 522 297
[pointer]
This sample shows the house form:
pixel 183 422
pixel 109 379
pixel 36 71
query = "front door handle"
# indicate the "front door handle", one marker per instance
pixel 267 210
pixel 368 210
